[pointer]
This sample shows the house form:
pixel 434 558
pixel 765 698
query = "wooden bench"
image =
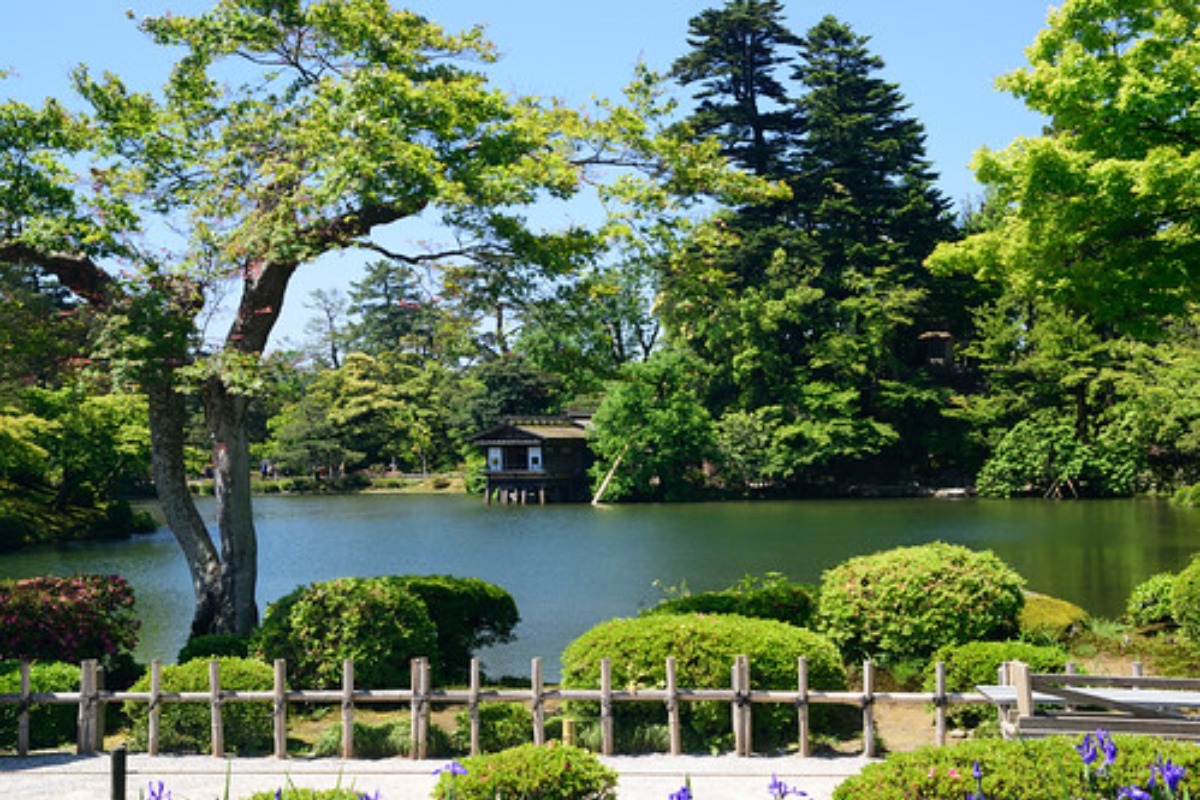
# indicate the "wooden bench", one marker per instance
pixel 1048 704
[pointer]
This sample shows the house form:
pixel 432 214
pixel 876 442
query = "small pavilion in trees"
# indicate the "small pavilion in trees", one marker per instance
pixel 536 460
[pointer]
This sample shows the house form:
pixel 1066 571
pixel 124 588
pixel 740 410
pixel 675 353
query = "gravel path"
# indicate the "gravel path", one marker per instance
pixel 66 777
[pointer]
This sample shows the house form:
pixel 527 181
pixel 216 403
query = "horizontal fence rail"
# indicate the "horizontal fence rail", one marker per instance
pixel 92 698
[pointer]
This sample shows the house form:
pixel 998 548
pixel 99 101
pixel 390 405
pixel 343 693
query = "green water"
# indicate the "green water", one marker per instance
pixel 570 567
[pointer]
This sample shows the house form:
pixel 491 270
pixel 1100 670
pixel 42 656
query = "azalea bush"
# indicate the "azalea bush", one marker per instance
pixel 905 603
pixel 67 619
pixel 551 771
pixel 1149 603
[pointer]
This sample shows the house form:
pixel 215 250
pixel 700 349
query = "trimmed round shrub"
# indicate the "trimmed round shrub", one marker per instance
pixel 769 597
pixel 905 603
pixel 978 663
pixel 1149 604
pixel 551 771
pixel 1185 601
pixel 1045 620
pixel 375 621
pixel 468 613
pixel 214 645
pixel 704 648
pixel 187 727
pixel 1031 769
pixel 50 726
pixel 501 725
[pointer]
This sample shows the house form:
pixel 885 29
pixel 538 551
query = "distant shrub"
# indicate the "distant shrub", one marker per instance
pixel 1044 619
pixel 214 645
pixel 375 621
pixel 302 793
pixel 978 663
pixel 906 603
pixel 67 619
pixel 50 726
pixel 1185 601
pixel 704 648
pixel 1031 769
pixel 187 727
pixel 1149 603
pixel 769 597
pixel 468 613
pixel 535 772
pixel 385 740
pixel 501 725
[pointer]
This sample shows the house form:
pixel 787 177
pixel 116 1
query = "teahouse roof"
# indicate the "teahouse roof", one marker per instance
pixel 530 431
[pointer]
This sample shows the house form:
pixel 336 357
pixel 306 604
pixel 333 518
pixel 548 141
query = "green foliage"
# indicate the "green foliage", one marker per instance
pixel 1049 619
pixel 49 725
pixel 977 664
pixel 704 648
pixel 1185 600
pixel 303 793
pixel 214 645
pixel 375 621
pixel 1029 769
pixel 771 596
pixel 384 740
pixel 501 726
pixel 187 727
pixel 906 603
pixel 1149 603
pixel 67 619
pixel 547 772
pixel 468 613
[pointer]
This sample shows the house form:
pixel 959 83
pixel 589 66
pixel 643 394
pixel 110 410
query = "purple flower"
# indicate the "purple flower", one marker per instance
pixel 1107 745
pixel 158 791
pixel 365 796
pixel 453 767
pixel 780 790
pixel 1134 793
pixel 684 793
pixel 1087 750
pixel 1171 774
pixel 976 770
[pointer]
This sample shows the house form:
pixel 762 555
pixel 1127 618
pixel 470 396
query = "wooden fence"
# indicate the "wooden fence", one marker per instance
pixel 421 697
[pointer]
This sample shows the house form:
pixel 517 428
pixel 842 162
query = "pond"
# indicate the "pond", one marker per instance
pixel 572 566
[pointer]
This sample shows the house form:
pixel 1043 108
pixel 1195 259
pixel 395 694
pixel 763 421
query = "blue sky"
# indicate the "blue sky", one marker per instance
pixel 944 54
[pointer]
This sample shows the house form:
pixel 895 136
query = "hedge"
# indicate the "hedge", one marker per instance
pixel 50 726
pixel 769 597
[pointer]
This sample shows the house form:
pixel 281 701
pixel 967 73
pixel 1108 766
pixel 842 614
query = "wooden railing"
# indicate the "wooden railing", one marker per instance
pixel 421 697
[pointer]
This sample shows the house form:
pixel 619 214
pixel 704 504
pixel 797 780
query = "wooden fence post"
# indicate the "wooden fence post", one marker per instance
pixel 673 720
pixel 23 713
pixel 473 706
pixel 740 707
pixel 802 706
pixel 155 721
pixel 279 708
pixel 86 733
pixel 218 725
pixel 940 702
pixel 538 703
pixel 606 707
pixel 348 708
pixel 868 709
pixel 1019 672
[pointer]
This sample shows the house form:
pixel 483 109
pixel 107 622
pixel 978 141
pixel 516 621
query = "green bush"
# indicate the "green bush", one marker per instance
pixel 67 619
pixel 214 645
pixel 532 772
pixel 50 726
pixel 975 663
pixel 769 597
pixel 704 648
pixel 468 613
pixel 906 603
pixel 300 793
pixel 1185 601
pixel 1149 603
pixel 375 621
pixel 501 726
pixel 1045 769
pixel 187 727
pixel 1045 620
pixel 385 740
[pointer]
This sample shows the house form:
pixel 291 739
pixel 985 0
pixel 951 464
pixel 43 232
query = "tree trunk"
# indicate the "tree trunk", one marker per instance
pixel 168 417
pixel 225 413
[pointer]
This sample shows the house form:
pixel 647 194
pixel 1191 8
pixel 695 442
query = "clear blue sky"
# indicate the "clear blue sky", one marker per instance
pixel 944 54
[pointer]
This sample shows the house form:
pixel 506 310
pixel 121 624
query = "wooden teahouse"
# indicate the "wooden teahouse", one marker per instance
pixel 536 460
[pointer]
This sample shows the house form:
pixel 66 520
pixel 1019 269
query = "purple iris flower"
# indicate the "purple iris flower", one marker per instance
pixel 780 790
pixel 1134 793
pixel 1108 746
pixel 1171 774
pixel 684 793
pixel 1087 750
pixel 454 768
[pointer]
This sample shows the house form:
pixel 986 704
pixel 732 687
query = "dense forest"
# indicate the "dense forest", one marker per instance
pixel 780 302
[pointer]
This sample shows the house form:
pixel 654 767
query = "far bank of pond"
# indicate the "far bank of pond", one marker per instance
pixel 572 566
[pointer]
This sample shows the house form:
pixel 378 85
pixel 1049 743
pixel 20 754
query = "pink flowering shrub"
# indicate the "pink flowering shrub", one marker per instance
pixel 67 619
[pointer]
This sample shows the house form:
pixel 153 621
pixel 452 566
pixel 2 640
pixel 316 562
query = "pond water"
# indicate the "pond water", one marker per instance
pixel 572 566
